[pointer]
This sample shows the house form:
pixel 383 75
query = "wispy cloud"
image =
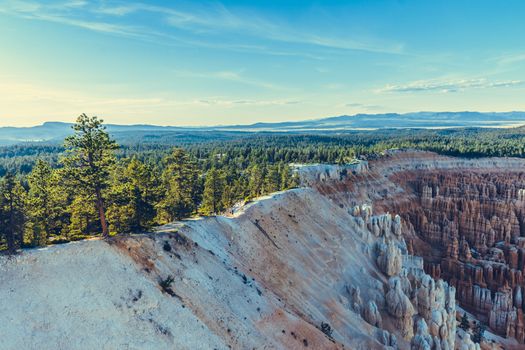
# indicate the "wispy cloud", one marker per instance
pixel 120 10
pixel 77 14
pixel 103 27
pixel 75 3
pixel 28 104
pixel 445 86
pixel 70 13
pixel 217 17
pixel 510 59
pixel 204 24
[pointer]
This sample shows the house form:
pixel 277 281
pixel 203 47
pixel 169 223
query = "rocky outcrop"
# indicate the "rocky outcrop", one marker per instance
pixel 422 340
pixel 400 307
pixel 465 217
pixel 355 299
pixel 372 315
pixel 411 293
pixel 386 338
pixel 389 257
pixel 465 342
pixel 470 227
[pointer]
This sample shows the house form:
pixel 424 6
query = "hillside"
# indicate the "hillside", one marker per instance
pixel 323 266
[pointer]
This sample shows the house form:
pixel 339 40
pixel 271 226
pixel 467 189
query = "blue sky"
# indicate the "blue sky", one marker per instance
pixel 202 63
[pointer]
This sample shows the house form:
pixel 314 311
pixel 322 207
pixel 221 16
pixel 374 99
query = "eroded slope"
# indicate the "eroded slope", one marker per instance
pixel 470 227
pixel 465 217
pixel 314 268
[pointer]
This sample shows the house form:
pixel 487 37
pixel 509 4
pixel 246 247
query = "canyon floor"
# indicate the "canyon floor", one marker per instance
pixel 382 254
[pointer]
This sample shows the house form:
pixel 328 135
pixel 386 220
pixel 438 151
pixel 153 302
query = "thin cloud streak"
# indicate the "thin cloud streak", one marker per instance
pixel 218 17
pixel 446 86
pixel 208 20
pixel 511 59
pixel 37 12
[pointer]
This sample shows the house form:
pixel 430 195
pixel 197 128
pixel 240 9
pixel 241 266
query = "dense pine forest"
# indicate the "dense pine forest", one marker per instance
pixel 90 185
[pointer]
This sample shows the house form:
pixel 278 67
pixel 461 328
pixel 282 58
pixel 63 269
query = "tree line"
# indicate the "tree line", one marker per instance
pixel 269 147
pixel 89 185
pixel 88 190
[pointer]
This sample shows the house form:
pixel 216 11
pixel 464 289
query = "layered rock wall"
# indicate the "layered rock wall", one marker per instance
pixel 423 309
pixel 465 217
pixel 470 228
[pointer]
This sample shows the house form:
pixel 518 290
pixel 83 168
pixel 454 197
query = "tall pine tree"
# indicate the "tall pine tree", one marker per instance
pixel 45 203
pixel 134 194
pixel 12 212
pixel 272 182
pixel 257 173
pixel 181 187
pixel 89 157
pixel 212 199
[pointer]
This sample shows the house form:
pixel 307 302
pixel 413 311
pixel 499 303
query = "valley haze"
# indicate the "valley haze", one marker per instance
pixel 56 131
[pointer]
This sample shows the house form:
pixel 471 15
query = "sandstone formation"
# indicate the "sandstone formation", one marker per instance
pixel 400 307
pixel 411 293
pixel 372 315
pixel 465 342
pixel 469 227
pixel 465 217
pixel 422 340
pixel 389 258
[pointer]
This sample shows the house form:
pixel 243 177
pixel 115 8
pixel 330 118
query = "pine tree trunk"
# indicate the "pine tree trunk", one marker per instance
pixel 102 214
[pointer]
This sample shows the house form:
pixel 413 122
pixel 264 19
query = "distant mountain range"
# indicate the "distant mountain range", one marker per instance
pixel 57 131
pixel 395 120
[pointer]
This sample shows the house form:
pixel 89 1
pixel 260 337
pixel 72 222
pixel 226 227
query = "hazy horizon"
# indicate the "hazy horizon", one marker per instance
pixel 72 119
pixel 223 63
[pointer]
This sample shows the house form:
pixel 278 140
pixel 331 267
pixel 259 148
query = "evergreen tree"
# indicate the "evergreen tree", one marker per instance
pixel 256 181
pixel 479 332
pixel 146 193
pixel 228 196
pixel 84 218
pixel 272 181
pixel 45 204
pixel 134 194
pixel 122 210
pixel 181 186
pixel 12 212
pixel 465 324
pixel 240 188
pixel 90 154
pixel 212 201
pixel 286 176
